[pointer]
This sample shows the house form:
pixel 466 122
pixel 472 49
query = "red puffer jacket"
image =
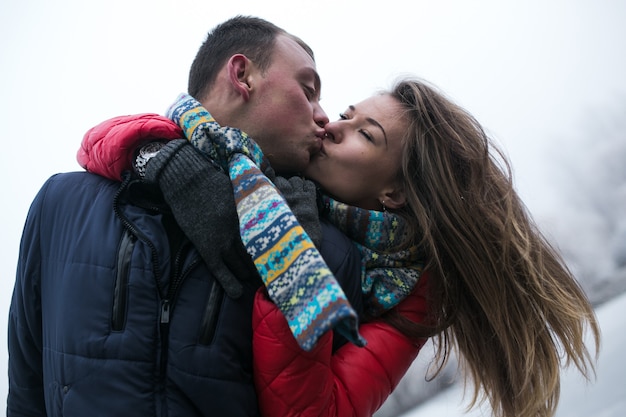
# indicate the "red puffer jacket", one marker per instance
pixel 352 382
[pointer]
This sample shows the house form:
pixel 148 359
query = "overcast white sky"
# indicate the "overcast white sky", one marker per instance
pixel 528 70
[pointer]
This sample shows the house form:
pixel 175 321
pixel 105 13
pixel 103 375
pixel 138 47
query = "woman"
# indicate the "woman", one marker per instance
pixel 496 290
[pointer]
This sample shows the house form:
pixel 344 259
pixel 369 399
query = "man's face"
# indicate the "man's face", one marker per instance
pixel 286 118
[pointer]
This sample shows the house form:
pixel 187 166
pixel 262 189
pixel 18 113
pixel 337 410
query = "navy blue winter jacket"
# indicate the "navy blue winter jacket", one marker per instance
pixel 106 321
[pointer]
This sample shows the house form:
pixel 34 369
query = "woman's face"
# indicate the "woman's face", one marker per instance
pixel 361 155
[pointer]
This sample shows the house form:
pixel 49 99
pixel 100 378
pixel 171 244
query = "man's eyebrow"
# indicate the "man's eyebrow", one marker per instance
pixel 373 122
pixel 309 73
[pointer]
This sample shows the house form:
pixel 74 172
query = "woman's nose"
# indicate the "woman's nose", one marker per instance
pixel 332 133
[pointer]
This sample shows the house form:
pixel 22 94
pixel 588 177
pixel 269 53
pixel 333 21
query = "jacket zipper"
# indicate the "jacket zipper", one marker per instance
pixel 131 234
pixel 211 313
pixel 131 229
pixel 167 303
pixel 124 254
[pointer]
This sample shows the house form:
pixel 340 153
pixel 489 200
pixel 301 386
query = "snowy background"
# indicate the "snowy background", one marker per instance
pixel 606 397
pixel 544 77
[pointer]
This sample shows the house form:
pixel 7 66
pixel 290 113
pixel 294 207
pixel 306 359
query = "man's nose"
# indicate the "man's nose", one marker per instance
pixel 319 115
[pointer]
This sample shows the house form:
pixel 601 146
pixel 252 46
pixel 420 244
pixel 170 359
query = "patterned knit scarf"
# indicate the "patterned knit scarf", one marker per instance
pixel 386 277
pixel 295 275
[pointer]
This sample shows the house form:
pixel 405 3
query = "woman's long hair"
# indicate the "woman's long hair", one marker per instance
pixel 499 292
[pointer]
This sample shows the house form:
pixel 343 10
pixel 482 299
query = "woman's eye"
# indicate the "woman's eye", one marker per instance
pixel 363 132
pixel 367 135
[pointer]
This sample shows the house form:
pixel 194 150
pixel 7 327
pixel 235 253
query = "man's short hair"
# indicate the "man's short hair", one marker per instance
pixel 251 36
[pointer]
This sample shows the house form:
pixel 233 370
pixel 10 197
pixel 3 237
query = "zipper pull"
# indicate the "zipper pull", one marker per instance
pixel 165 312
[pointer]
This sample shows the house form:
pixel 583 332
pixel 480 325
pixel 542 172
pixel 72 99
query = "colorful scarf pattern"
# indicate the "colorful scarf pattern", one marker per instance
pixel 387 276
pixel 295 275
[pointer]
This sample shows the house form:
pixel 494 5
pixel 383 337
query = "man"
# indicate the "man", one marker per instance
pixel 114 313
pixel 275 102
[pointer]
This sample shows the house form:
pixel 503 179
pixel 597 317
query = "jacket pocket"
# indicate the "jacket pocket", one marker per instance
pixel 211 313
pixel 120 298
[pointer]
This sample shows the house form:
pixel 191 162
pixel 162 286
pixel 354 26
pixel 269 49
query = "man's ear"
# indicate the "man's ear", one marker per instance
pixel 239 73
pixel 393 198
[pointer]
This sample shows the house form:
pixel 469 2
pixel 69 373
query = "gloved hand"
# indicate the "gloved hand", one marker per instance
pixel 301 195
pixel 201 198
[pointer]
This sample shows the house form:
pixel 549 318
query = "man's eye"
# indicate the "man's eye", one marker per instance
pixel 343 116
pixel 309 91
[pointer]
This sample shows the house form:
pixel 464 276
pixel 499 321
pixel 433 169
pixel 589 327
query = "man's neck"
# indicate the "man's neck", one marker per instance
pixel 226 109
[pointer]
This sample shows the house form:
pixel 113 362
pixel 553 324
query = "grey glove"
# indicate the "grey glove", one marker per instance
pixel 301 195
pixel 201 198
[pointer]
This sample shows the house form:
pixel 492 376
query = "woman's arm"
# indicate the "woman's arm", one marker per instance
pixel 109 148
pixel 352 382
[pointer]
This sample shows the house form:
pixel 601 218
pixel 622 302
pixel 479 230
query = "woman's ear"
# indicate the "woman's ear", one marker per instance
pixel 393 198
pixel 239 73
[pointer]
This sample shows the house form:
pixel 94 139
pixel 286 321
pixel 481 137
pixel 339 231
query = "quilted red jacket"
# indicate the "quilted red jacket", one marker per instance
pixel 352 382
pixel 108 148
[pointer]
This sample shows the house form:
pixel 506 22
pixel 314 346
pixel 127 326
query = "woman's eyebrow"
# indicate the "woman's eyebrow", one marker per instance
pixel 373 122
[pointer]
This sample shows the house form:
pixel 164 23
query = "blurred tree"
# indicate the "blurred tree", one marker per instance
pixel 590 226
